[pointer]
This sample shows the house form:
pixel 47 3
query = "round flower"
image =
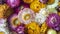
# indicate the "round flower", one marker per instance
pixel 40 19
pixel 36 6
pixel 26 15
pixel 13 21
pixel 53 21
pixel 33 28
pixel 41 16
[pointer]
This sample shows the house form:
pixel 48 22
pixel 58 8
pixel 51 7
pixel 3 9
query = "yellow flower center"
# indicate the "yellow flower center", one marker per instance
pixel 26 16
pixel 33 28
pixel 15 22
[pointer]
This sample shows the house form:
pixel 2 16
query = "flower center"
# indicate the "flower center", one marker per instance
pixel 53 20
pixel 16 22
pixel 26 16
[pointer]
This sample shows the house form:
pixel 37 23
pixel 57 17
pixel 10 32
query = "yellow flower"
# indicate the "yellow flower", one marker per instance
pixel 36 6
pixel 43 28
pixel 3 8
pixel 33 28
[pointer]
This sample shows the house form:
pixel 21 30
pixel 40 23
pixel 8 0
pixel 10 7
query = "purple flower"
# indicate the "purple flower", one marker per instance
pixel 53 21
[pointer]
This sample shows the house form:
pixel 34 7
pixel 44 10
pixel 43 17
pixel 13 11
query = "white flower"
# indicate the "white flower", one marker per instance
pixel 53 5
pixel 40 19
pixel 44 12
pixel 41 16
pixel 4 30
pixel 3 27
pixel 26 15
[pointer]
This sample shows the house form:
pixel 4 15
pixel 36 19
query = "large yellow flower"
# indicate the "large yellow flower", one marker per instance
pixel 36 6
pixel 33 28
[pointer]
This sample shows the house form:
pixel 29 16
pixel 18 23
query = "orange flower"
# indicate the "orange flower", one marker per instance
pixel 43 28
pixel 36 6
pixel 33 28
